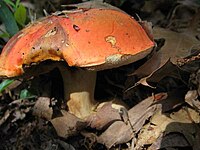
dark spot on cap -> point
(76, 28)
(54, 29)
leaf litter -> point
(167, 118)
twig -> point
(5, 117)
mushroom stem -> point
(79, 88)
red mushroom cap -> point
(94, 38)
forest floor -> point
(161, 90)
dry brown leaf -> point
(170, 140)
(152, 131)
(42, 108)
(177, 45)
(65, 145)
(170, 54)
(90, 139)
(22, 102)
(186, 115)
(125, 132)
(116, 133)
(180, 122)
(67, 125)
(149, 66)
(104, 117)
(190, 3)
(191, 63)
(5, 116)
(20, 114)
(167, 70)
(174, 99)
(188, 130)
(195, 79)
(156, 145)
(192, 99)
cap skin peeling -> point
(94, 38)
(114, 59)
(51, 32)
(111, 40)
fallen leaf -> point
(5, 117)
(68, 124)
(167, 70)
(111, 138)
(103, 117)
(90, 139)
(65, 145)
(177, 45)
(174, 99)
(192, 99)
(21, 102)
(180, 122)
(191, 3)
(42, 108)
(186, 115)
(173, 51)
(125, 132)
(195, 80)
(149, 66)
(150, 132)
(191, 63)
(20, 114)
(170, 140)
(189, 130)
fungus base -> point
(79, 88)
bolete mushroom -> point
(89, 39)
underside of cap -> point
(95, 38)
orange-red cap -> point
(94, 38)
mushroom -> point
(89, 39)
